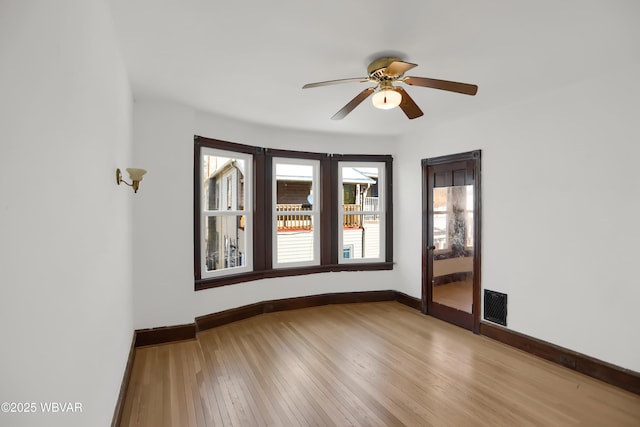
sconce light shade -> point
(136, 176)
(386, 99)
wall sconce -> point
(135, 175)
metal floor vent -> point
(495, 307)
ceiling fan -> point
(384, 72)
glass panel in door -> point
(453, 247)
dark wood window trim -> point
(262, 232)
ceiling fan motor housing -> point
(377, 69)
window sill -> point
(215, 282)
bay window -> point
(262, 212)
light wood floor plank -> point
(370, 364)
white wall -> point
(65, 227)
(561, 203)
(163, 215)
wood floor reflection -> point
(456, 294)
(369, 364)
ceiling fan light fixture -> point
(384, 72)
(386, 99)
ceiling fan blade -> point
(408, 105)
(335, 82)
(398, 68)
(353, 104)
(465, 88)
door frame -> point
(428, 306)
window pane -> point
(225, 242)
(362, 212)
(453, 217)
(440, 199)
(294, 239)
(294, 186)
(290, 220)
(360, 188)
(224, 183)
(440, 233)
(296, 228)
(362, 241)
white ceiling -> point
(249, 59)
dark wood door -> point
(451, 239)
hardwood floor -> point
(455, 294)
(370, 364)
